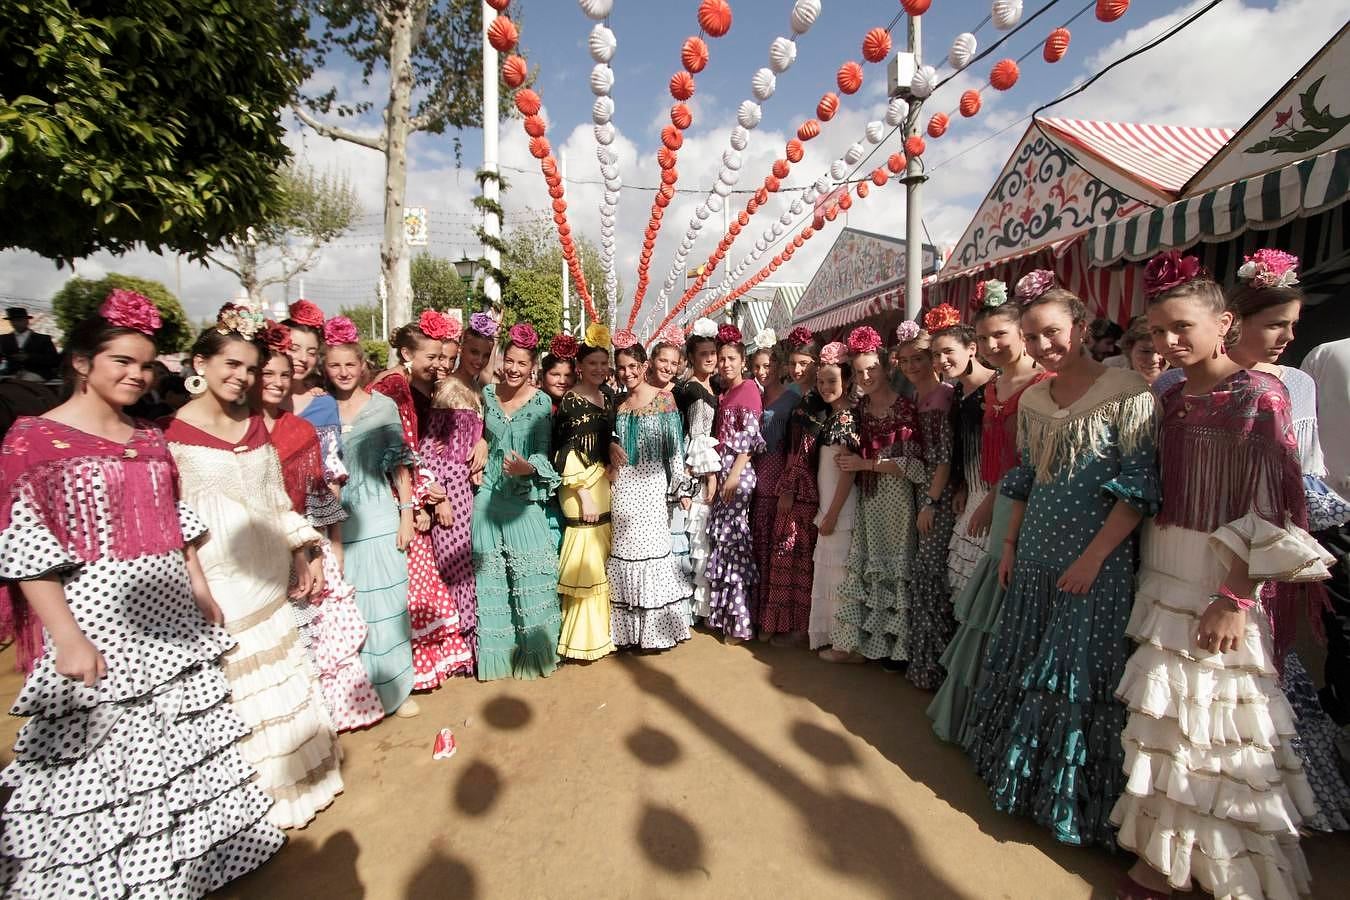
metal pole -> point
(492, 226)
(914, 179)
(566, 275)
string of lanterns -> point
(602, 45)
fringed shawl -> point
(890, 436)
(297, 446)
(653, 433)
(1117, 411)
(998, 437)
(581, 427)
(395, 386)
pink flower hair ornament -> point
(907, 331)
(1269, 268)
(622, 340)
(671, 334)
(454, 328)
(1170, 270)
(834, 353)
(564, 346)
(434, 325)
(128, 309)
(728, 333)
(864, 339)
(303, 312)
(523, 335)
(340, 330)
(1033, 285)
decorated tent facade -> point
(863, 276)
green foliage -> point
(366, 318)
(315, 208)
(533, 292)
(436, 285)
(377, 351)
(80, 298)
(144, 122)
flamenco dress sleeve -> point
(544, 482)
(1136, 482)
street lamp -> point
(466, 268)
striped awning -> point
(1163, 157)
(1262, 202)
(883, 300)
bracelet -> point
(1226, 593)
(411, 504)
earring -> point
(407, 368)
(195, 385)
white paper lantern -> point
(702, 212)
(749, 114)
(796, 206)
(602, 44)
(822, 185)
(896, 112)
(602, 110)
(782, 54)
(924, 82)
(875, 132)
(778, 229)
(760, 244)
(838, 169)
(596, 9)
(732, 160)
(604, 134)
(607, 220)
(809, 195)
(614, 185)
(1005, 14)
(804, 15)
(714, 202)
(763, 83)
(609, 173)
(740, 137)
(721, 188)
(855, 153)
(786, 218)
(602, 79)
(729, 176)
(606, 155)
(963, 50)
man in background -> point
(27, 354)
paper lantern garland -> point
(970, 103)
(915, 7)
(804, 15)
(782, 54)
(602, 44)
(914, 146)
(1110, 10)
(850, 77)
(1004, 74)
(1056, 45)
(682, 86)
(527, 102)
(808, 130)
(595, 9)
(962, 50)
(681, 117)
(937, 125)
(500, 5)
(897, 163)
(515, 71)
(876, 45)
(694, 55)
(1005, 14)
(502, 34)
(827, 107)
(714, 17)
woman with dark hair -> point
(258, 550)
(310, 402)
(129, 624)
(514, 557)
(1138, 352)
(557, 375)
(667, 360)
(1046, 726)
(697, 401)
(835, 487)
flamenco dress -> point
(839, 435)
(931, 621)
(732, 573)
(965, 552)
(135, 787)
(698, 409)
(769, 464)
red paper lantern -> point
(781, 168)
(560, 205)
(502, 34)
(535, 126)
(863, 189)
(514, 71)
(694, 54)
(499, 5)
(798, 241)
(549, 167)
(808, 231)
(772, 184)
(563, 228)
(850, 77)
(1110, 10)
(818, 222)
(539, 147)
(876, 45)
(761, 196)
(808, 129)
(832, 212)
(671, 137)
(1004, 75)
(661, 199)
(879, 177)
(827, 107)
(665, 158)
(556, 191)
(559, 218)
(682, 85)
(937, 126)
(752, 205)
(914, 146)
(777, 260)
(658, 215)
(846, 201)
(714, 17)
(916, 7)
(527, 102)
(681, 117)
(743, 218)
(897, 163)
(1056, 45)
(735, 229)
(794, 150)
(667, 191)
(670, 176)
(970, 103)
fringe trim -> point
(1052, 445)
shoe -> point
(895, 666)
(408, 709)
(842, 656)
(732, 639)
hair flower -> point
(277, 337)
(454, 328)
(303, 312)
(864, 339)
(940, 317)
(907, 331)
(671, 334)
(482, 323)
(991, 293)
(833, 354)
(1269, 268)
(597, 335)
(563, 346)
(1034, 284)
(239, 319)
(1168, 270)
(705, 328)
(433, 325)
(523, 335)
(128, 309)
(340, 330)
(766, 338)
(800, 336)
(624, 339)
(728, 334)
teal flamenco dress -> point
(1045, 726)
(515, 558)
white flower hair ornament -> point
(765, 339)
(705, 327)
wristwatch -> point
(929, 501)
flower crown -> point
(1170, 270)
(705, 328)
(624, 339)
(563, 346)
(1269, 268)
(1034, 284)
(671, 334)
(864, 339)
(907, 331)
(302, 312)
(728, 333)
(277, 337)
(940, 317)
(434, 325)
(340, 330)
(833, 354)
(523, 335)
(128, 309)
(991, 293)
(766, 338)
(239, 319)
(800, 336)
(597, 335)
(482, 324)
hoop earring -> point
(195, 385)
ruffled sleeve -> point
(544, 482)
(741, 433)
(1287, 554)
(323, 508)
(28, 548)
(1018, 481)
(193, 526)
(330, 447)
(1136, 482)
(577, 474)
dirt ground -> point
(707, 771)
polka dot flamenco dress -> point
(135, 786)
(732, 574)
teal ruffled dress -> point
(1045, 726)
(515, 557)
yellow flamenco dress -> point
(582, 432)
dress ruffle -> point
(963, 551)
(873, 613)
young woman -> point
(257, 547)
(698, 407)
(873, 619)
(515, 559)
(583, 427)
(955, 358)
(130, 628)
(931, 624)
(329, 622)
(557, 376)
(1214, 791)
(764, 367)
(308, 399)
(379, 524)
(664, 366)
(977, 606)
(1046, 726)
(835, 487)
(732, 575)
(649, 598)
(454, 452)
(439, 649)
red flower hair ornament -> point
(128, 309)
(339, 330)
(800, 336)
(940, 317)
(728, 334)
(277, 337)
(303, 312)
(864, 339)
(564, 346)
(1169, 270)
(523, 335)
(434, 325)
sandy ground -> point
(708, 771)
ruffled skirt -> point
(965, 552)
(873, 616)
(649, 598)
(380, 575)
(582, 582)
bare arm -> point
(1120, 522)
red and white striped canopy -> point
(1163, 157)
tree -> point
(154, 123)
(314, 210)
(430, 52)
(80, 298)
(533, 289)
(436, 285)
(366, 318)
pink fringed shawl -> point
(890, 436)
(59, 472)
(297, 446)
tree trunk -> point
(396, 122)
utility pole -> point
(492, 225)
(566, 275)
(914, 179)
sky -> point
(1217, 72)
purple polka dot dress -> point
(732, 575)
